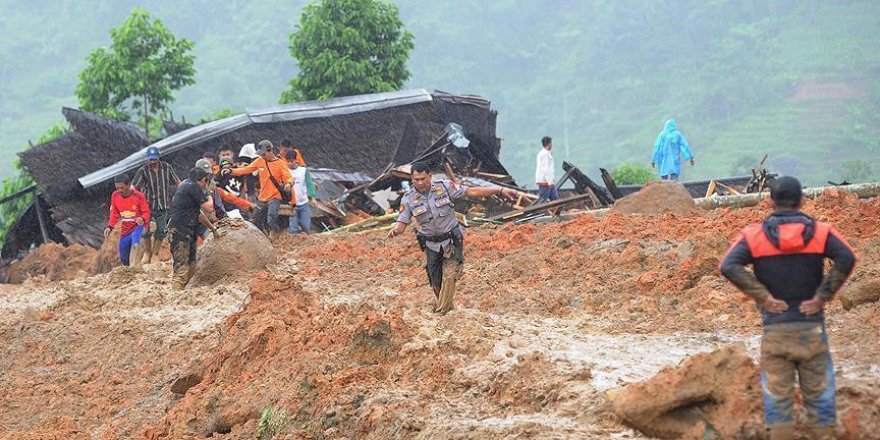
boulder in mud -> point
(659, 197)
(241, 251)
(710, 395)
(862, 292)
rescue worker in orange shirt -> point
(275, 179)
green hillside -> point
(797, 80)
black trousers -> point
(184, 245)
(434, 266)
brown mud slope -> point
(241, 251)
(657, 197)
(55, 262)
(337, 339)
(717, 395)
(710, 395)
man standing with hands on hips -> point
(440, 236)
(787, 252)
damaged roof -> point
(359, 134)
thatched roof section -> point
(92, 143)
(25, 232)
(174, 127)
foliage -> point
(632, 174)
(856, 171)
(138, 73)
(608, 72)
(348, 47)
(10, 211)
(272, 421)
(220, 114)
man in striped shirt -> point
(157, 180)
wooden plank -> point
(554, 204)
(729, 189)
(582, 182)
(610, 184)
(711, 189)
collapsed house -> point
(347, 141)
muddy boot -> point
(451, 272)
(819, 432)
(157, 247)
(783, 433)
(190, 272)
(137, 255)
(179, 278)
(148, 250)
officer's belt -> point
(442, 237)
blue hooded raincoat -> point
(669, 148)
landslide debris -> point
(657, 197)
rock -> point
(709, 395)
(241, 251)
(184, 383)
(862, 292)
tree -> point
(11, 210)
(631, 174)
(138, 73)
(348, 47)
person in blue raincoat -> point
(668, 149)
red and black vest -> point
(789, 255)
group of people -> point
(253, 185)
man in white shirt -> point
(304, 190)
(544, 172)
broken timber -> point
(585, 185)
(554, 204)
(610, 184)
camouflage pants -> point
(797, 349)
(444, 268)
(183, 252)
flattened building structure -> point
(363, 134)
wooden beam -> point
(554, 204)
(582, 182)
(43, 231)
(610, 184)
(711, 189)
(18, 194)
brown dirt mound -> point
(709, 395)
(55, 262)
(659, 197)
(242, 250)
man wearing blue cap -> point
(157, 180)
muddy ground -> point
(337, 340)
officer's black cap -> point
(786, 191)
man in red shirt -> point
(130, 207)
